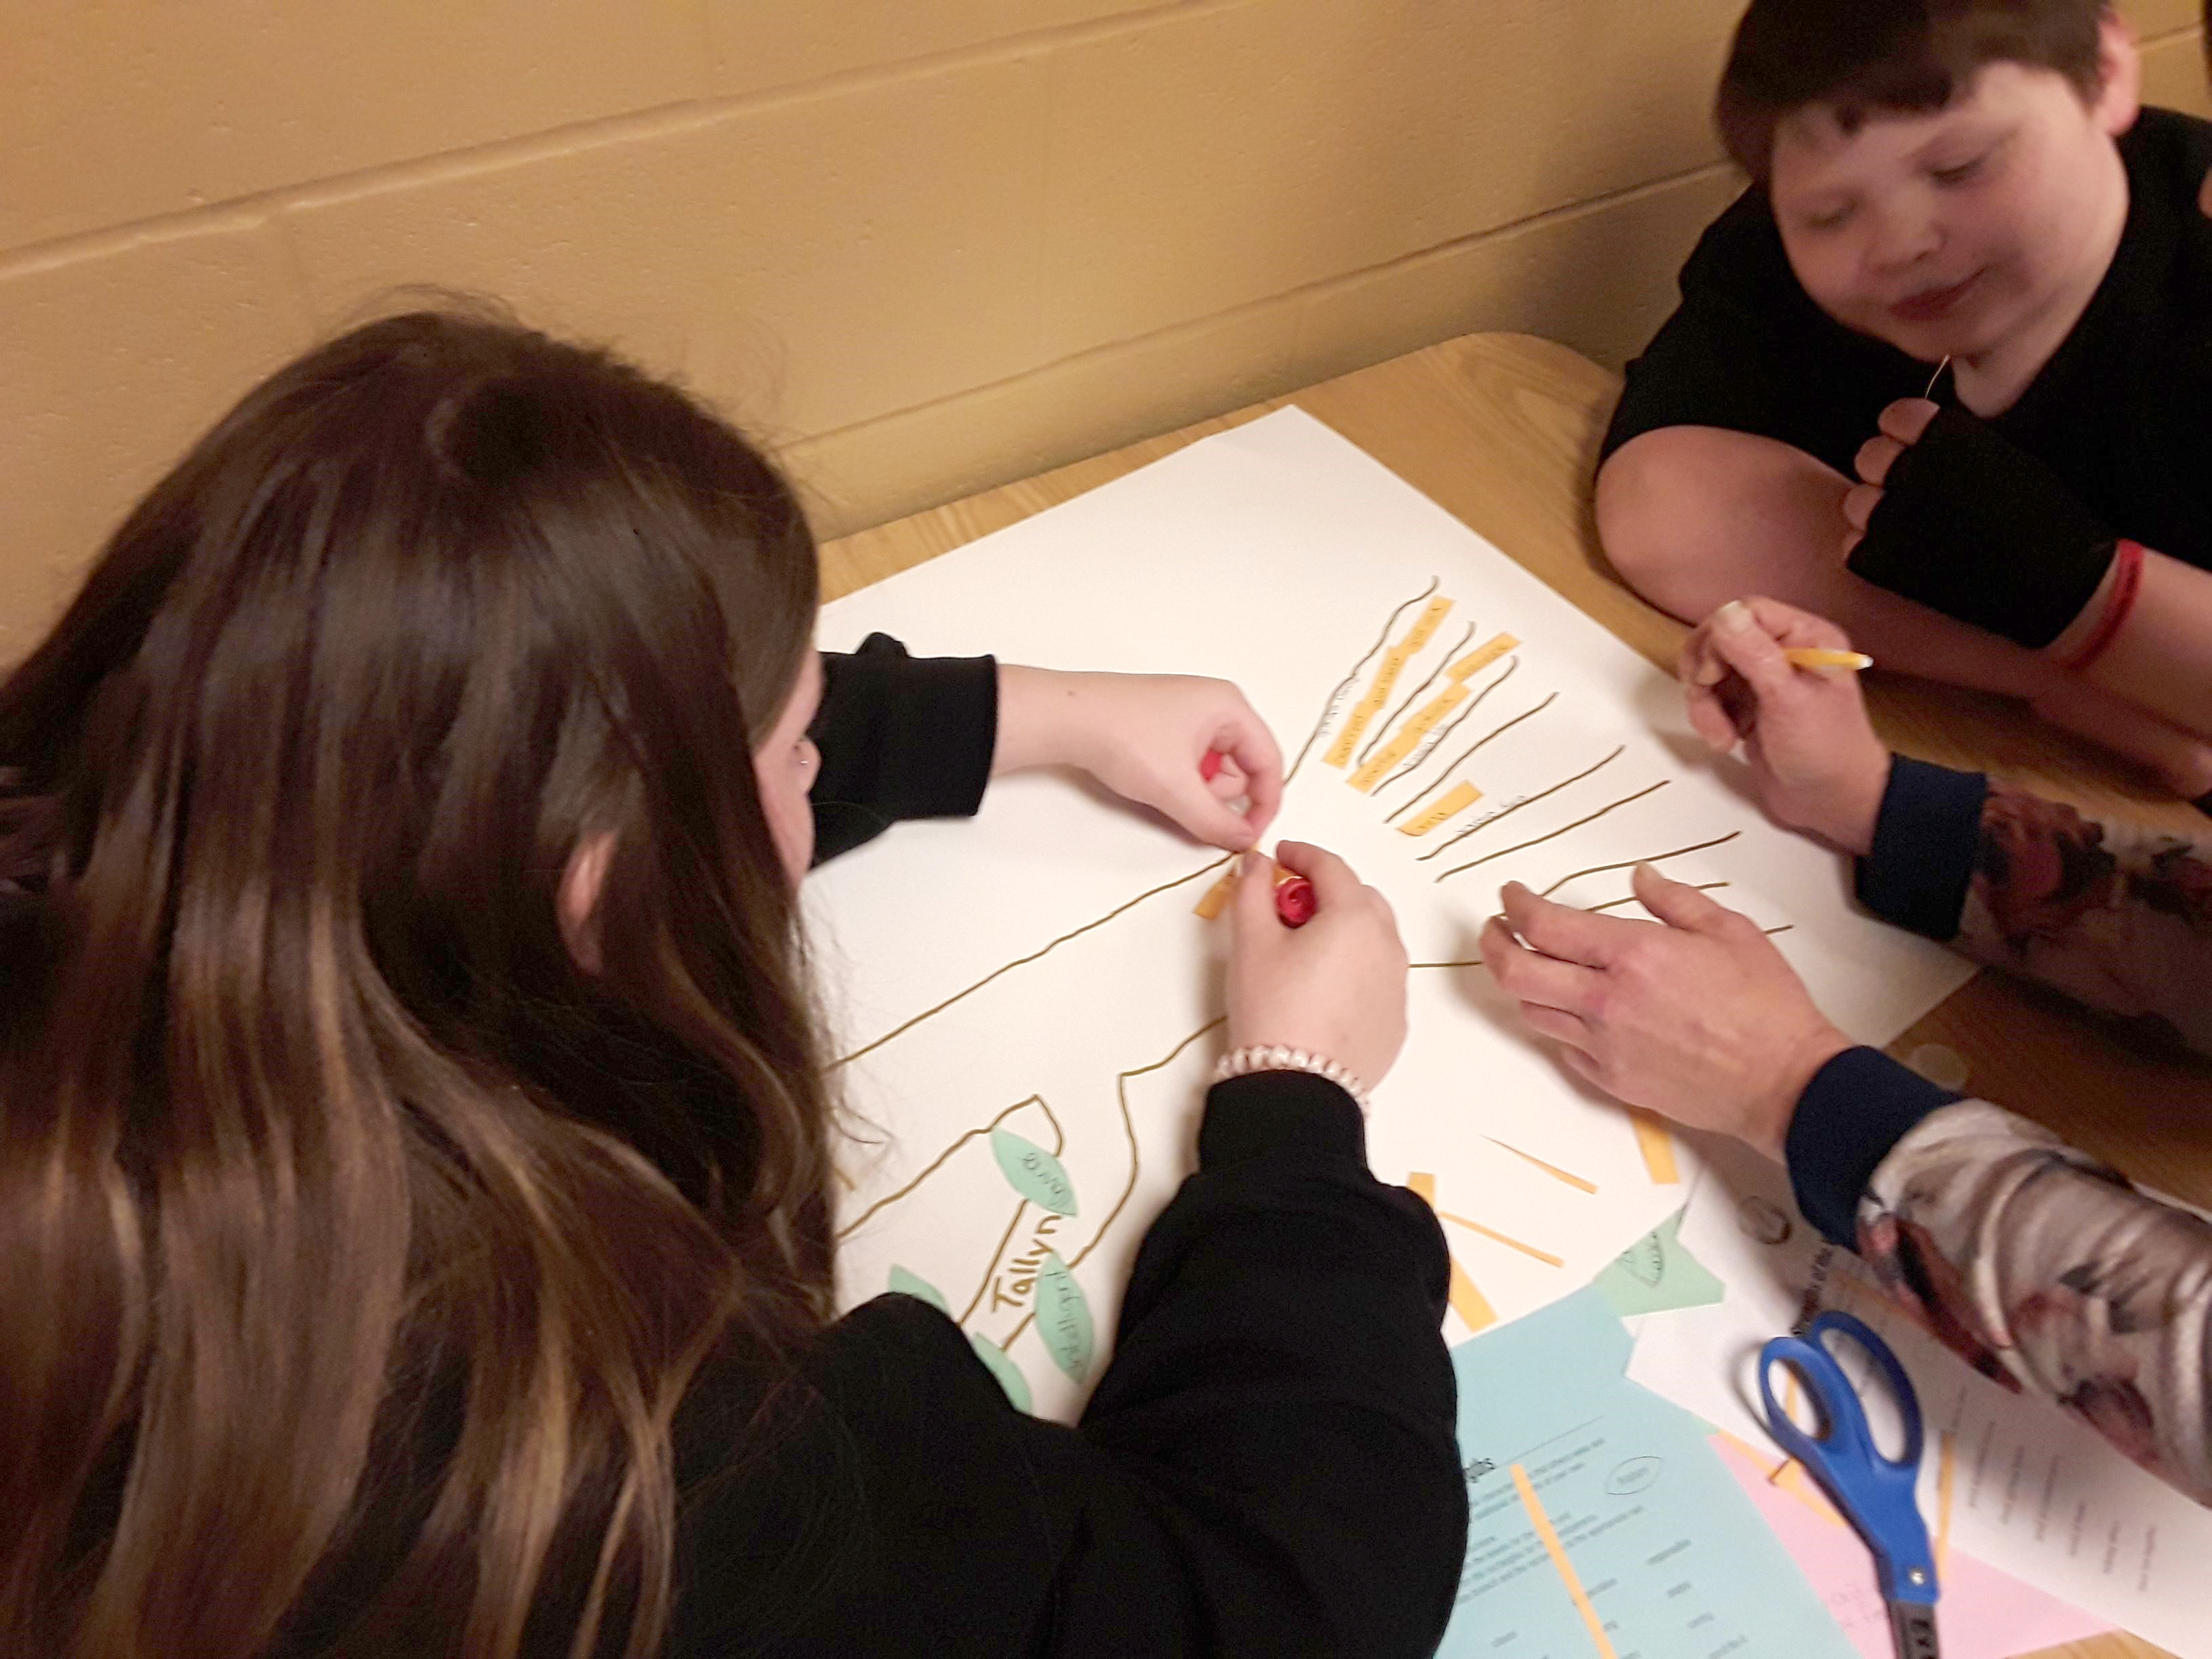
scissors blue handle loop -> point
(1874, 1491)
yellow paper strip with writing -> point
(1481, 657)
(1386, 678)
(1386, 759)
(1458, 801)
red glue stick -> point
(1294, 898)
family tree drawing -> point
(1093, 1118)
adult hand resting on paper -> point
(1696, 1017)
(1145, 737)
(1335, 987)
(1814, 759)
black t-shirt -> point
(2122, 412)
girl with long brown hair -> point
(415, 1161)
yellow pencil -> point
(1802, 657)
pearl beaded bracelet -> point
(1275, 1057)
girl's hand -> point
(1902, 425)
(1147, 738)
(1698, 1018)
(1336, 987)
(1814, 756)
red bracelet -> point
(2127, 581)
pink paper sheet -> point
(1984, 1613)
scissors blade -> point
(1912, 1627)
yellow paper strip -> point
(1385, 760)
(1506, 1239)
(1552, 1169)
(1789, 1477)
(1458, 801)
(1481, 657)
(1469, 1303)
(1217, 898)
(1946, 1470)
(1553, 1548)
(1386, 679)
(1658, 1149)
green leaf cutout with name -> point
(1033, 1172)
(1008, 1373)
(907, 1284)
(1656, 1274)
(1063, 1318)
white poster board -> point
(1026, 1005)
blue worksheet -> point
(1602, 1525)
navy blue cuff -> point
(1857, 1108)
(1925, 842)
(1270, 1112)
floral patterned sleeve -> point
(2048, 1271)
(2116, 915)
(2040, 1266)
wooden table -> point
(1502, 430)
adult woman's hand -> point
(1336, 987)
(1146, 736)
(1814, 756)
(1696, 1017)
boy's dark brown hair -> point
(1864, 56)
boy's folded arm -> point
(1694, 516)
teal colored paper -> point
(1675, 1559)
(1655, 1274)
(1063, 1318)
(1033, 1172)
(908, 1284)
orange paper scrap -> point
(1658, 1148)
(1469, 1302)
(1557, 1550)
(1451, 805)
(1217, 897)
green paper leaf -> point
(1656, 1274)
(1063, 1318)
(1033, 1172)
(1008, 1373)
(907, 1284)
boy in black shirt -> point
(1961, 181)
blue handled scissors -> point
(1875, 1493)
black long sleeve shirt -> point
(1268, 1465)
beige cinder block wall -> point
(923, 245)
